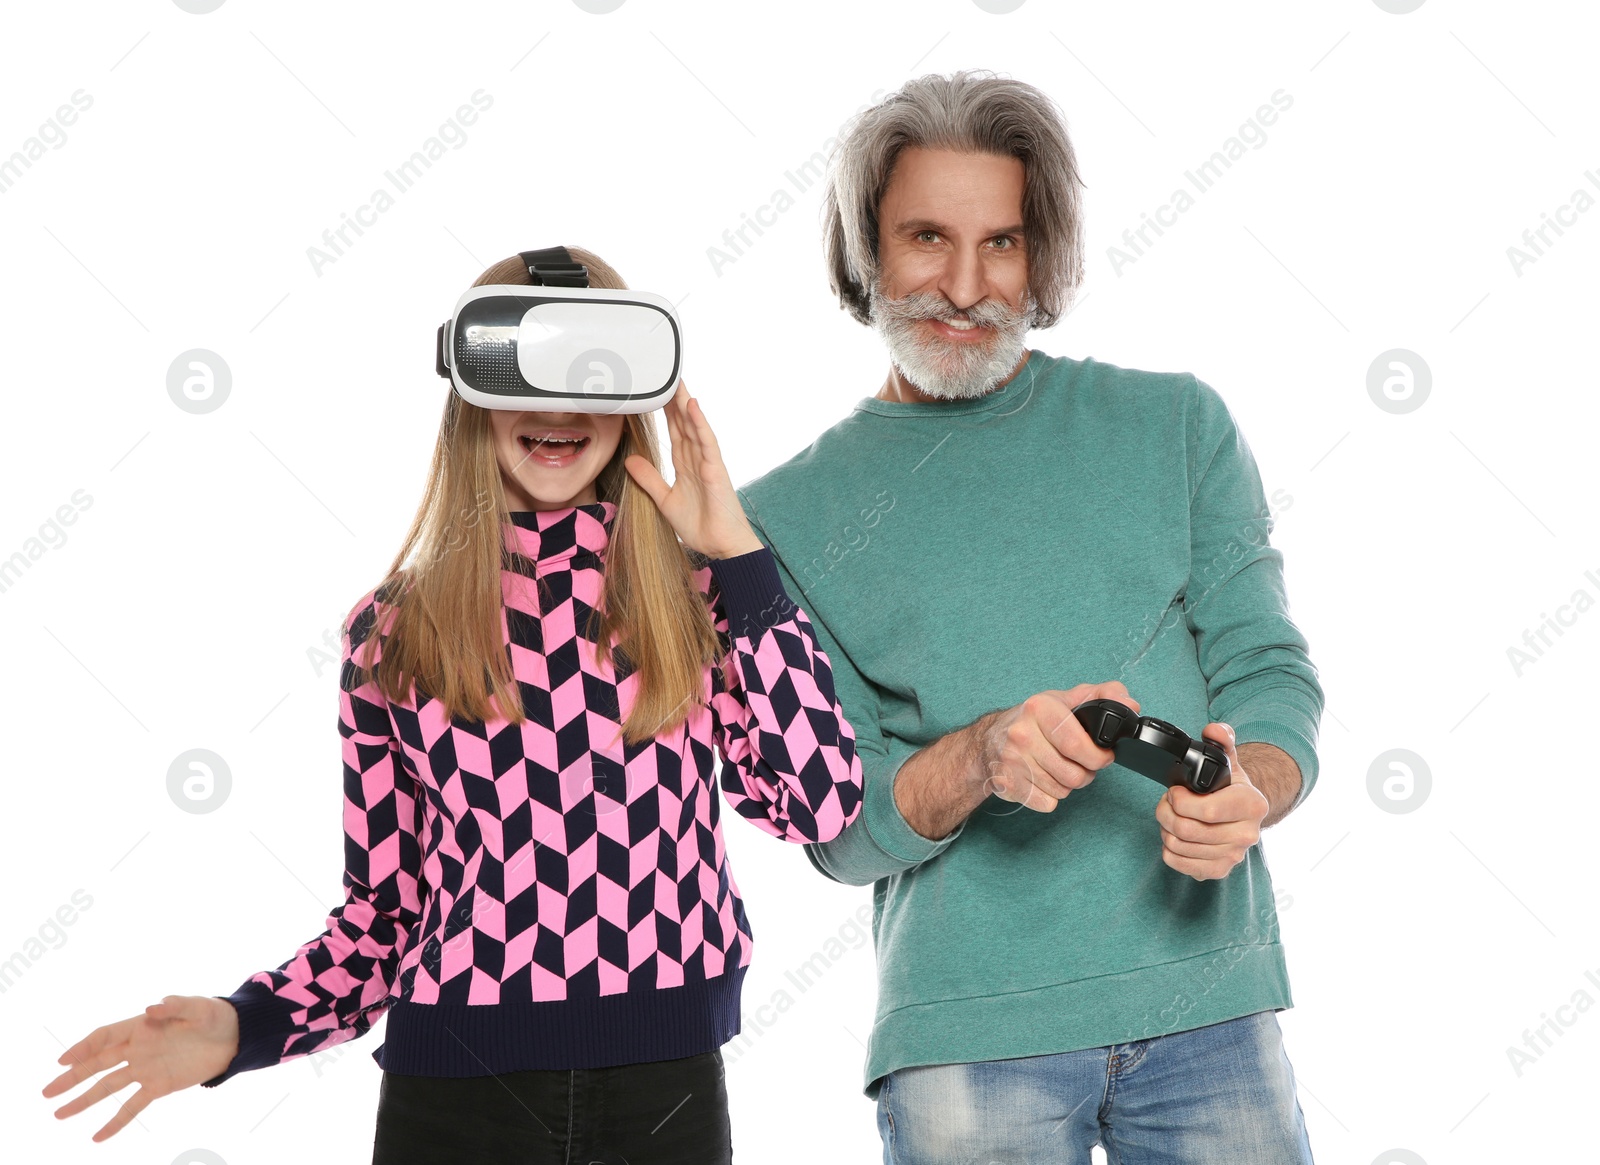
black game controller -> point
(1154, 747)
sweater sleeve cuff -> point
(1296, 744)
(753, 596)
(264, 1022)
(883, 819)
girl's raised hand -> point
(182, 1041)
(700, 503)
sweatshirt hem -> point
(1088, 1013)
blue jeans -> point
(1224, 1092)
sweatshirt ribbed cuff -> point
(264, 1022)
(753, 596)
(1291, 741)
(881, 814)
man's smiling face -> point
(952, 300)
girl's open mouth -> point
(554, 452)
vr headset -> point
(561, 345)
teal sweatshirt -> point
(1084, 523)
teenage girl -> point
(536, 888)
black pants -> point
(662, 1113)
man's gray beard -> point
(949, 369)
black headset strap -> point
(553, 267)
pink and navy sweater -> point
(542, 895)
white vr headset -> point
(561, 345)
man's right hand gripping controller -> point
(1037, 752)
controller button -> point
(1105, 726)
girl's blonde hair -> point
(446, 604)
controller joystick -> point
(1158, 750)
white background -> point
(181, 609)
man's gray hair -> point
(975, 112)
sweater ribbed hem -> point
(452, 1039)
(455, 1039)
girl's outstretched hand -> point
(700, 503)
(182, 1041)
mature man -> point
(1068, 953)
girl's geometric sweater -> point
(540, 895)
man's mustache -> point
(925, 305)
